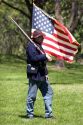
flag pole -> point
(31, 16)
(26, 34)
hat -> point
(37, 33)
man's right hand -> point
(48, 57)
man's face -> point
(39, 39)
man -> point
(37, 77)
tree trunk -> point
(73, 21)
(58, 11)
(59, 62)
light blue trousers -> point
(47, 94)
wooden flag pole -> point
(26, 35)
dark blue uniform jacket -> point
(36, 59)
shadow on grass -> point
(52, 83)
(35, 116)
(59, 83)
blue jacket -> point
(36, 59)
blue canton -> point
(41, 22)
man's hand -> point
(48, 57)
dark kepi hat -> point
(37, 33)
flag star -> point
(35, 14)
(51, 32)
(44, 26)
(35, 10)
(41, 28)
(44, 22)
(35, 19)
(41, 24)
(40, 16)
(40, 12)
(36, 27)
(37, 22)
(47, 25)
(34, 24)
(46, 30)
(43, 16)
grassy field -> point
(67, 100)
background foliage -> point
(11, 39)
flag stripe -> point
(61, 37)
(59, 47)
(59, 34)
(62, 51)
(61, 28)
(56, 52)
(59, 56)
(49, 39)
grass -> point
(67, 100)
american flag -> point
(58, 41)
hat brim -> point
(38, 35)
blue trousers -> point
(47, 94)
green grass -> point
(67, 100)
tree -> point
(67, 12)
(74, 12)
(11, 42)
